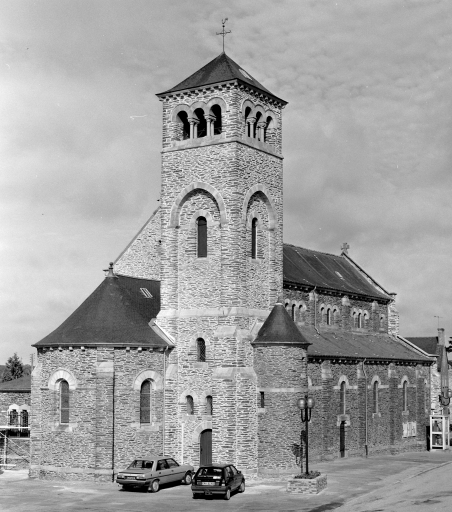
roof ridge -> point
(313, 250)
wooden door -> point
(205, 447)
(342, 438)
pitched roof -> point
(327, 271)
(220, 69)
(116, 313)
(426, 343)
(353, 345)
(16, 385)
(279, 328)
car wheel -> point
(187, 478)
(125, 488)
(195, 496)
(154, 486)
(242, 486)
(227, 496)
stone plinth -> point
(306, 485)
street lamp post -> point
(305, 405)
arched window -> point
(382, 321)
(301, 313)
(64, 402)
(145, 401)
(247, 124)
(201, 350)
(256, 130)
(254, 238)
(217, 124)
(202, 237)
(323, 314)
(375, 396)
(343, 397)
(360, 320)
(209, 405)
(366, 320)
(190, 405)
(268, 126)
(24, 418)
(184, 125)
(201, 127)
(292, 314)
(336, 316)
(14, 418)
(328, 317)
(405, 395)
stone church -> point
(208, 328)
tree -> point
(13, 368)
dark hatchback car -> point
(152, 471)
(217, 479)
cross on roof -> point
(345, 247)
(223, 32)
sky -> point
(366, 138)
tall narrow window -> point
(405, 396)
(24, 418)
(360, 320)
(209, 405)
(14, 417)
(202, 237)
(328, 317)
(64, 402)
(262, 399)
(217, 128)
(293, 312)
(201, 349)
(201, 127)
(343, 397)
(190, 405)
(184, 125)
(375, 397)
(254, 238)
(145, 402)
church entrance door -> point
(205, 447)
(342, 438)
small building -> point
(15, 401)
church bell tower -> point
(221, 268)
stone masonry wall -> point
(141, 258)
(104, 432)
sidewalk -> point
(349, 481)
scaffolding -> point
(9, 448)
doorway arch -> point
(205, 447)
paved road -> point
(405, 482)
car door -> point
(163, 471)
(237, 479)
(176, 472)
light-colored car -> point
(152, 471)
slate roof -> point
(279, 328)
(353, 345)
(116, 313)
(426, 343)
(17, 385)
(220, 69)
(326, 271)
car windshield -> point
(141, 464)
(211, 472)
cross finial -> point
(345, 247)
(223, 32)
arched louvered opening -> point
(217, 123)
(248, 132)
(185, 125)
(201, 126)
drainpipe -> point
(365, 412)
(164, 396)
(113, 430)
